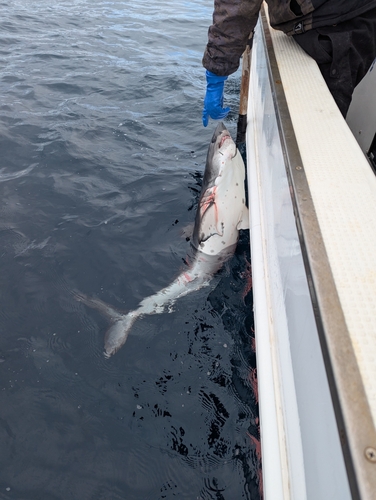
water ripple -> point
(102, 158)
(16, 175)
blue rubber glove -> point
(213, 102)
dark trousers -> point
(344, 53)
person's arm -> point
(233, 21)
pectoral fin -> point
(244, 220)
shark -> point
(221, 213)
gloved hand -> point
(213, 102)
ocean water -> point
(102, 155)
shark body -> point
(221, 213)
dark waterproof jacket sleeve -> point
(234, 20)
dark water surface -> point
(102, 154)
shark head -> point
(221, 150)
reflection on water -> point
(102, 152)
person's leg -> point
(344, 53)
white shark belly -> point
(230, 212)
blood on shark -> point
(221, 213)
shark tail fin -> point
(118, 332)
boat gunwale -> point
(353, 414)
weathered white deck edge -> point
(343, 188)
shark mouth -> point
(224, 138)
